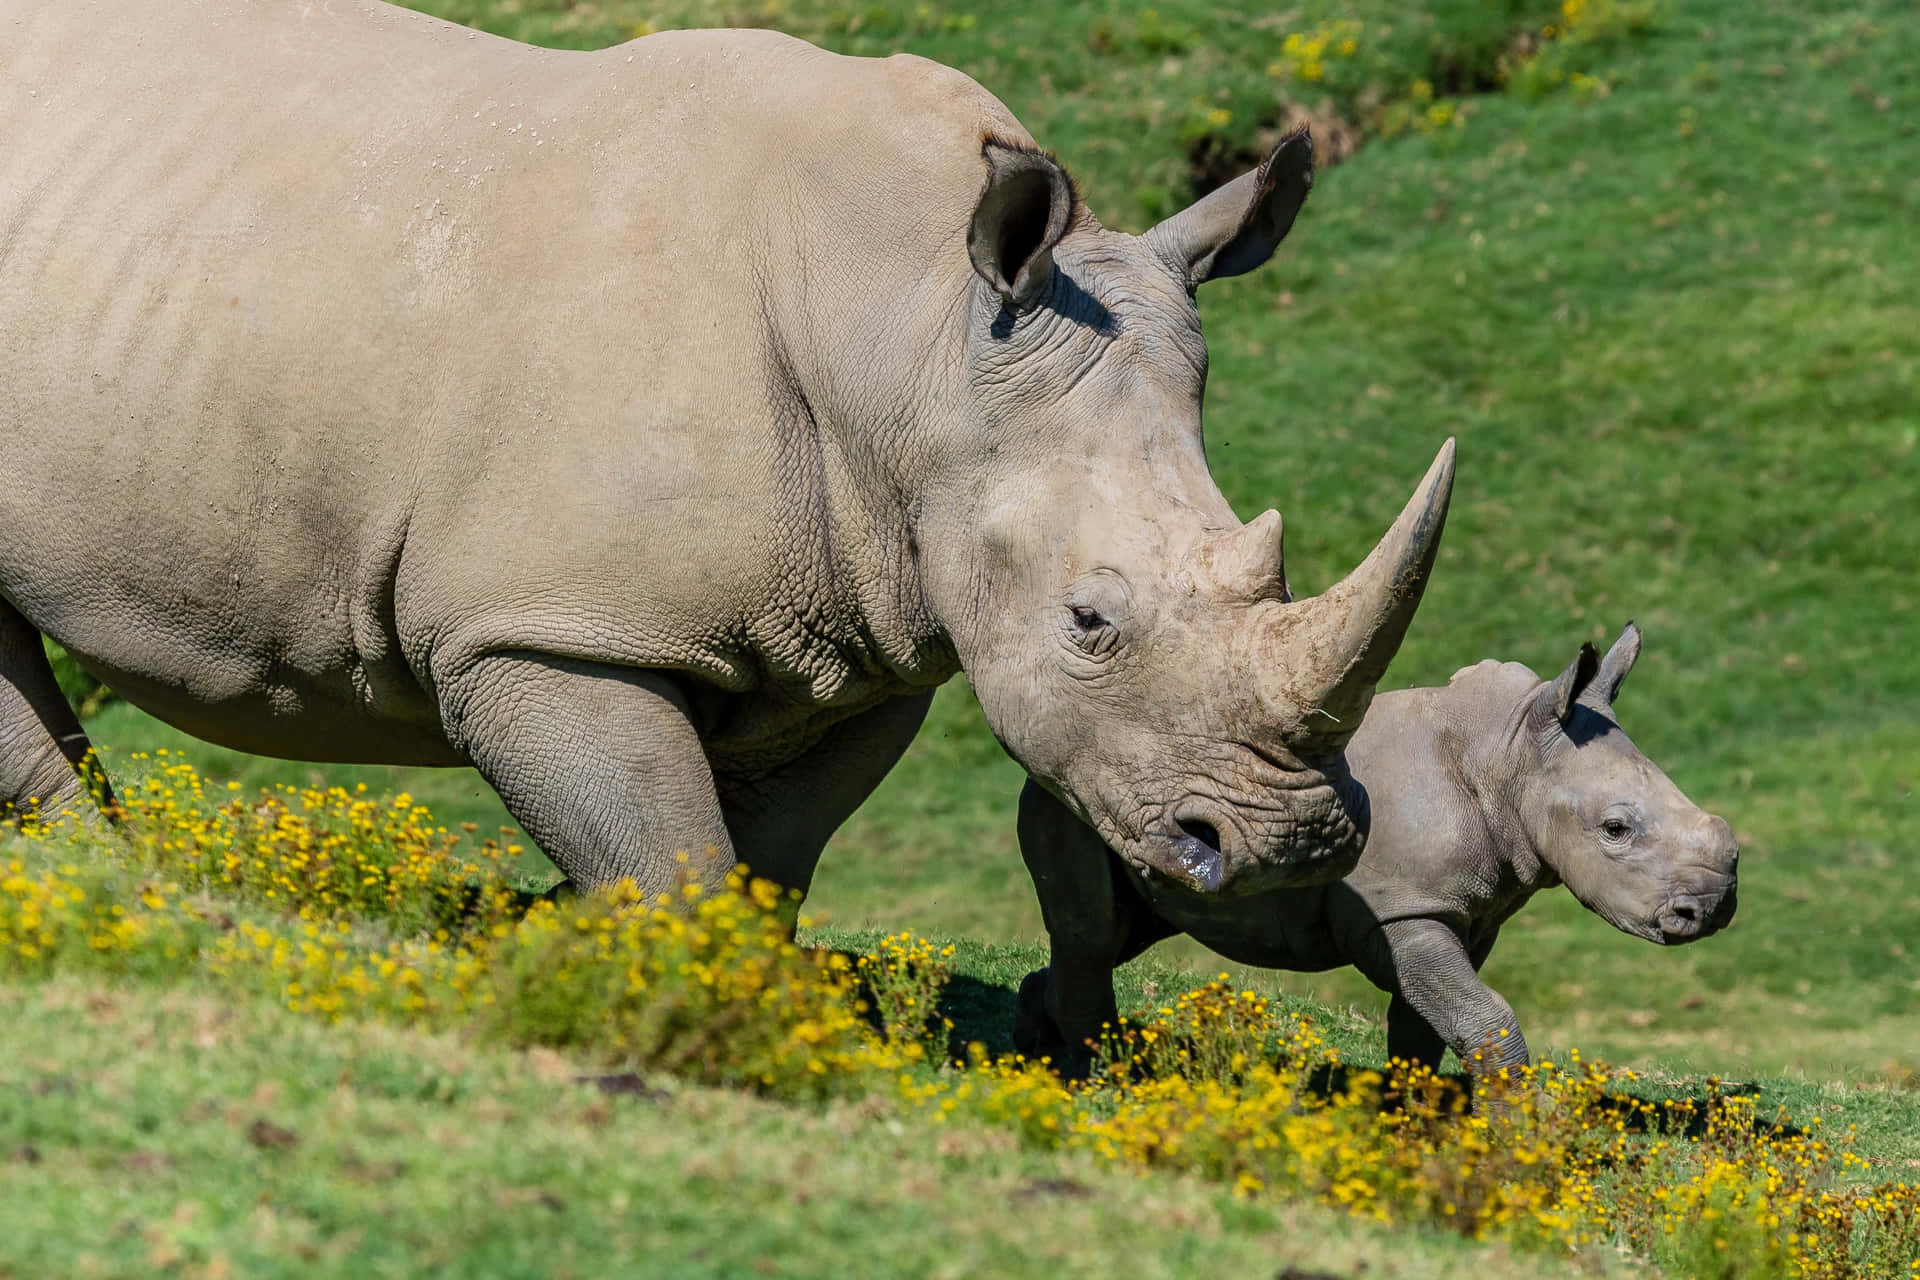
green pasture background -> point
(1672, 312)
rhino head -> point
(1126, 600)
(1606, 820)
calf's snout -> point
(1696, 914)
(1714, 846)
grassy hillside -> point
(187, 1134)
(1668, 309)
(306, 1035)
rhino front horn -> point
(1335, 647)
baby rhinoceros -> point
(1482, 793)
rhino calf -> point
(1482, 794)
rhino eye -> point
(1614, 829)
(1095, 608)
(1090, 631)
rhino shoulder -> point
(1491, 673)
(946, 93)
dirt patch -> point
(267, 1135)
(1212, 162)
(1070, 1188)
(625, 1084)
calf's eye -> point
(1087, 619)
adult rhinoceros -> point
(652, 429)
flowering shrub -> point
(1305, 56)
(365, 910)
(1548, 1157)
(711, 987)
(322, 854)
(1567, 53)
(903, 977)
(55, 918)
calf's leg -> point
(1435, 977)
(1412, 1039)
(44, 762)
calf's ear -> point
(1235, 229)
(1024, 209)
(1614, 668)
(1565, 691)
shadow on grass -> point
(1686, 1116)
(981, 1012)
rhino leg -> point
(599, 763)
(44, 761)
(1436, 978)
(1411, 1038)
(781, 822)
(1095, 923)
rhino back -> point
(340, 340)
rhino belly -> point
(1286, 929)
(231, 651)
(291, 715)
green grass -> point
(175, 1132)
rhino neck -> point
(849, 426)
(1498, 755)
(868, 392)
(847, 584)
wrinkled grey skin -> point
(652, 429)
(1483, 793)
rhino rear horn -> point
(1235, 229)
(1024, 209)
(1250, 563)
(1340, 642)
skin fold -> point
(653, 429)
(1482, 794)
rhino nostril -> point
(1200, 829)
(1684, 909)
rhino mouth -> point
(1197, 854)
(1689, 917)
(1208, 847)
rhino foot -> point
(1036, 1035)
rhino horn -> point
(1330, 651)
(1250, 563)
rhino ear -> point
(1024, 209)
(1614, 668)
(1565, 691)
(1238, 227)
